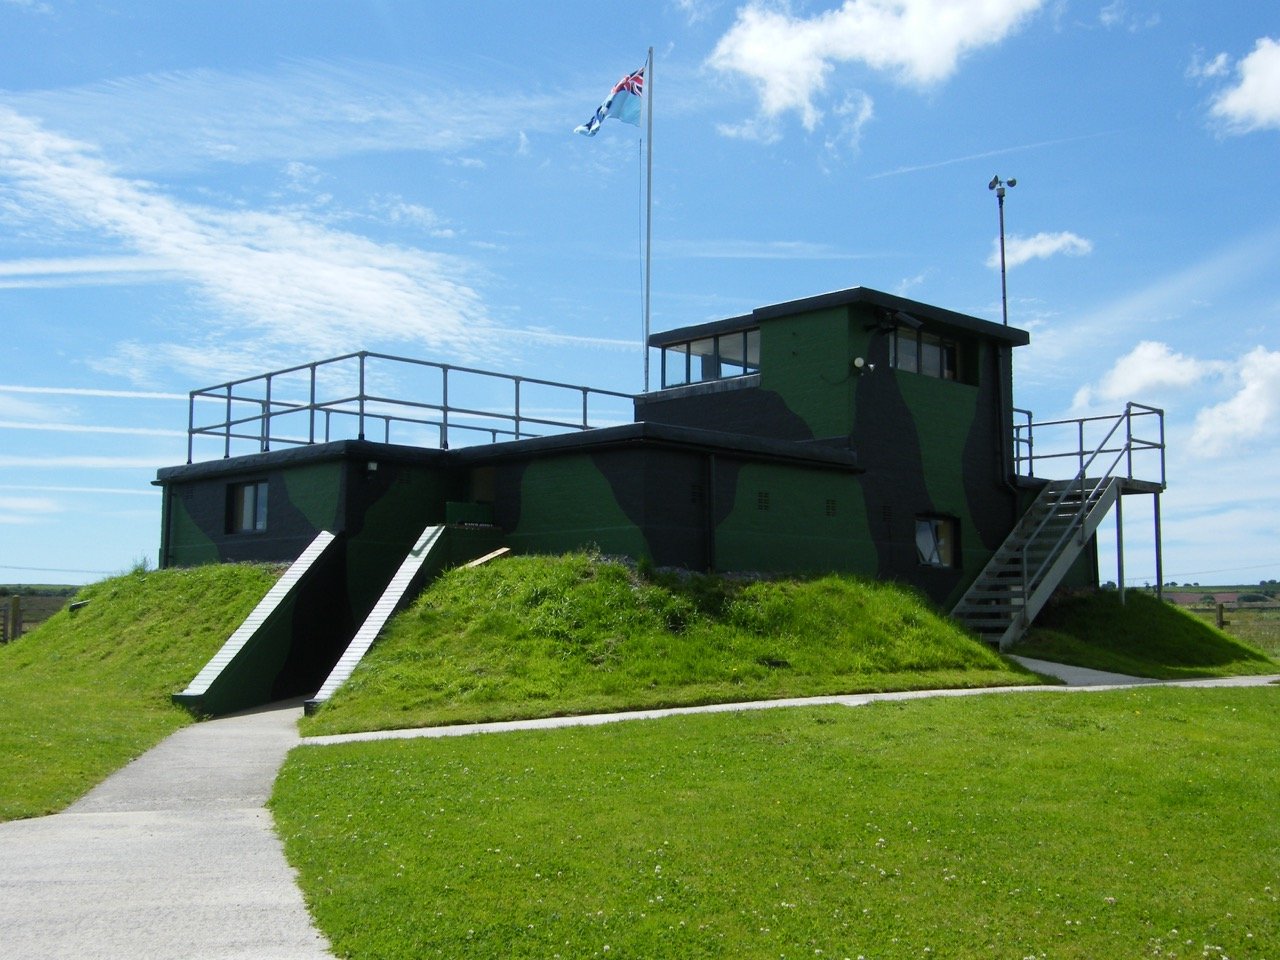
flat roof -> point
(931, 315)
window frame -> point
(247, 506)
(944, 547)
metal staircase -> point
(1023, 573)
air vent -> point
(762, 500)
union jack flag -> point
(623, 103)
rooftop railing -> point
(1065, 448)
(378, 396)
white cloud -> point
(1254, 102)
(1019, 250)
(80, 462)
(1149, 367)
(1117, 14)
(279, 278)
(855, 112)
(35, 6)
(20, 510)
(1200, 69)
(45, 427)
(919, 42)
(1247, 418)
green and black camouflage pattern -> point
(808, 466)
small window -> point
(919, 352)
(247, 507)
(936, 541)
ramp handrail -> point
(253, 412)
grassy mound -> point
(540, 636)
(1143, 637)
(89, 689)
(1136, 823)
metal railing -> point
(1094, 472)
(1077, 442)
(345, 397)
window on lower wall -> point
(936, 541)
(247, 507)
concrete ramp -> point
(254, 665)
(430, 554)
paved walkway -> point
(172, 857)
(1075, 679)
(176, 857)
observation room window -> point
(918, 352)
(247, 507)
(936, 541)
(718, 357)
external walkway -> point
(175, 855)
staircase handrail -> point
(1090, 497)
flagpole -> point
(648, 217)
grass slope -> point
(1143, 637)
(539, 636)
(1067, 825)
(89, 690)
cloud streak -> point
(1041, 246)
(299, 111)
(279, 277)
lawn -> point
(1137, 823)
(539, 636)
(88, 690)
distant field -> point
(1256, 626)
(37, 607)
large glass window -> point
(711, 358)
(247, 507)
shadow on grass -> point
(1143, 637)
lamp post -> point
(998, 186)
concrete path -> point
(173, 856)
(1075, 679)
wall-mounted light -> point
(861, 366)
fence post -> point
(517, 382)
(15, 617)
(444, 408)
(360, 431)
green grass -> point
(540, 636)
(1138, 823)
(1143, 637)
(89, 690)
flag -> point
(623, 103)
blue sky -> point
(195, 191)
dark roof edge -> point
(841, 298)
(712, 441)
(303, 454)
